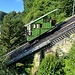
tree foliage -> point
(4, 70)
(51, 66)
(39, 8)
(28, 5)
(2, 14)
(12, 30)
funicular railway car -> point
(39, 27)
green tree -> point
(67, 7)
(12, 31)
(51, 66)
(42, 7)
(4, 70)
(28, 5)
(69, 68)
(38, 8)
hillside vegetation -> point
(37, 8)
(13, 35)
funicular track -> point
(45, 40)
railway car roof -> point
(40, 17)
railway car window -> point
(38, 25)
(45, 19)
(34, 26)
(29, 30)
(30, 33)
(53, 22)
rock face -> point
(61, 47)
